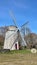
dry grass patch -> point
(18, 59)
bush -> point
(23, 47)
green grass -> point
(16, 51)
(20, 51)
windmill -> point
(13, 36)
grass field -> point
(20, 57)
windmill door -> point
(16, 46)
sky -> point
(23, 10)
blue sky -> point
(24, 10)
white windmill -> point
(13, 35)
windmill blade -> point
(23, 26)
(28, 31)
(23, 42)
(13, 18)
